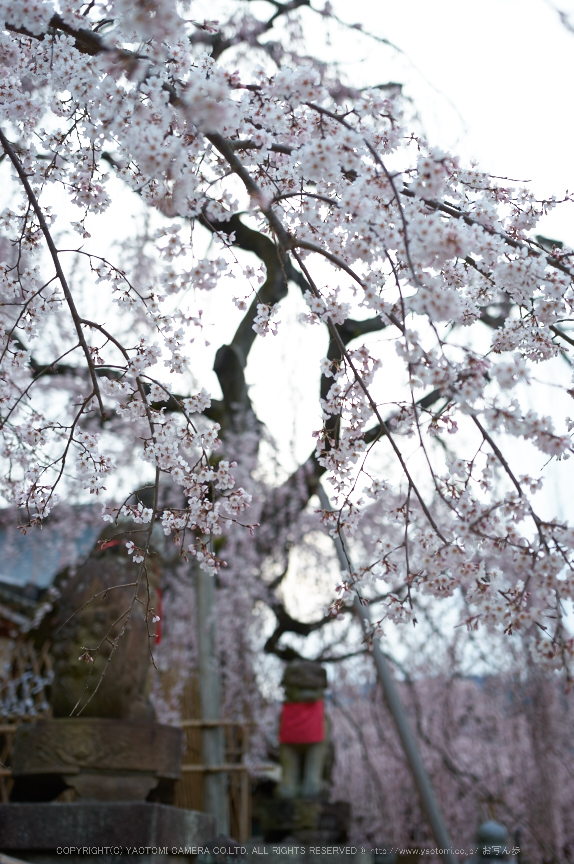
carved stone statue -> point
(114, 750)
(303, 731)
(92, 610)
(300, 808)
(105, 778)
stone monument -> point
(303, 731)
(301, 808)
(69, 766)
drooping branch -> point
(219, 43)
(456, 213)
(287, 502)
(58, 267)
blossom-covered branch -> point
(284, 161)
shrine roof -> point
(30, 560)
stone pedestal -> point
(98, 831)
(308, 822)
(99, 759)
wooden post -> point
(244, 793)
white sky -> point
(506, 66)
(491, 82)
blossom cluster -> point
(430, 249)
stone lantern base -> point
(96, 759)
(79, 793)
(103, 832)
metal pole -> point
(393, 700)
(212, 737)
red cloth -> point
(302, 722)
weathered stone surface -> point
(98, 594)
(101, 759)
(70, 745)
(49, 826)
(307, 822)
(96, 786)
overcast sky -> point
(505, 66)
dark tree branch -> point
(230, 361)
(562, 334)
(287, 624)
(349, 330)
(456, 213)
(290, 499)
(174, 404)
(87, 41)
(278, 268)
(219, 44)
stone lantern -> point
(109, 772)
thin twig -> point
(54, 253)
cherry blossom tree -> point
(233, 129)
(244, 156)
